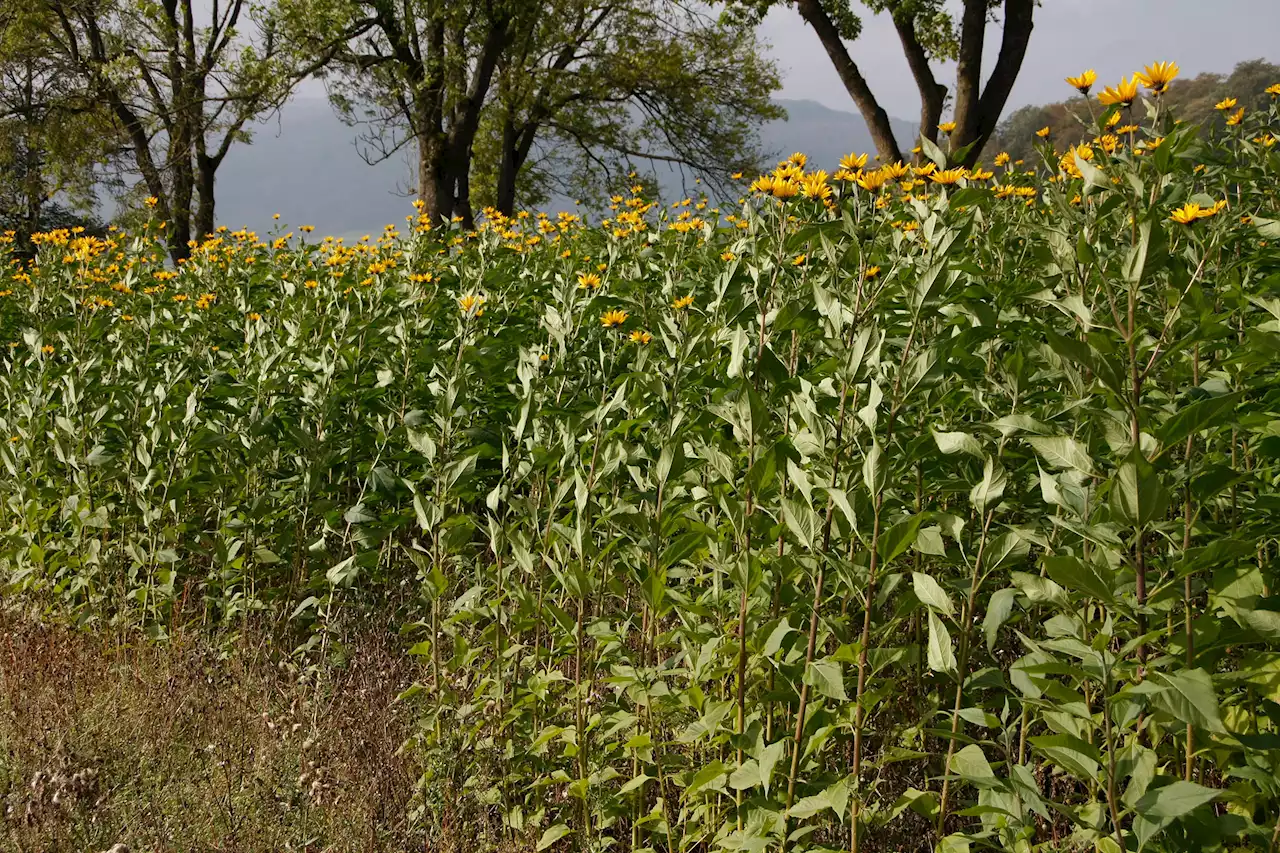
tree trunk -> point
(508, 170)
(876, 118)
(206, 167)
(1016, 36)
(973, 26)
(933, 95)
(435, 189)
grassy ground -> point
(185, 748)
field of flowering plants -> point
(905, 508)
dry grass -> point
(184, 747)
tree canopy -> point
(181, 80)
(506, 101)
(54, 138)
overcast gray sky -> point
(1114, 37)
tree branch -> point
(876, 118)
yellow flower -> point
(1187, 214)
(1273, 90)
(1067, 163)
(47, 349)
(544, 357)
(152, 201)
(1225, 104)
(926, 170)
(682, 303)
(471, 304)
(853, 162)
(815, 185)
(873, 180)
(893, 171)
(1218, 207)
(727, 256)
(737, 176)
(1235, 118)
(1125, 93)
(1084, 82)
(1113, 120)
(613, 318)
(798, 159)
(799, 259)
(1157, 76)
(588, 280)
(949, 176)
(784, 189)
(871, 272)
(254, 316)
(1043, 132)
(639, 337)
(1002, 159)
(947, 127)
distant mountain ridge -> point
(305, 165)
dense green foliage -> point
(873, 516)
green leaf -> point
(897, 539)
(552, 835)
(957, 442)
(835, 797)
(987, 493)
(745, 777)
(1174, 800)
(970, 763)
(1198, 416)
(1062, 451)
(931, 594)
(873, 473)
(711, 776)
(1189, 698)
(826, 676)
(776, 636)
(1077, 576)
(933, 152)
(940, 655)
(684, 546)
(802, 521)
(929, 541)
(1093, 176)
(998, 610)
(1137, 495)
(768, 760)
(1078, 757)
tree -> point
(928, 33)
(54, 137)
(182, 79)
(582, 100)
(526, 81)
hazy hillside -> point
(306, 166)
